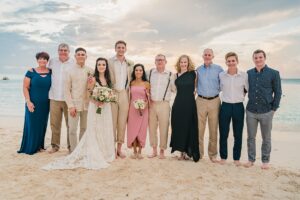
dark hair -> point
(144, 78)
(259, 51)
(42, 55)
(80, 49)
(120, 42)
(106, 73)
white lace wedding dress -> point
(96, 147)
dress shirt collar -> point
(116, 59)
(238, 73)
(262, 69)
(164, 72)
(77, 65)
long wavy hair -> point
(106, 73)
(191, 65)
(144, 78)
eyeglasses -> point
(63, 50)
(159, 60)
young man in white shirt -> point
(233, 85)
(120, 71)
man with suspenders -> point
(159, 113)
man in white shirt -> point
(58, 106)
(233, 85)
(120, 72)
(161, 81)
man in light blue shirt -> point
(208, 103)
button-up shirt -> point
(76, 94)
(208, 80)
(120, 69)
(264, 90)
(159, 83)
(59, 70)
(233, 86)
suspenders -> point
(170, 73)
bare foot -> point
(134, 156)
(222, 161)
(248, 164)
(162, 154)
(237, 163)
(153, 155)
(139, 156)
(120, 154)
(53, 150)
(41, 150)
(214, 160)
(181, 157)
(265, 166)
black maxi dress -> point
(184, 120)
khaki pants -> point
(159, 115)
(208, 109)
(57, 108)
(120, 114)
(73, 123)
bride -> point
(96, 148)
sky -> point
(170, 27)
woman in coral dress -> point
(138, 111)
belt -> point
(208, 98)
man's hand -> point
(72, 111)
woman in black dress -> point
(184, 120)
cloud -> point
(153, 26)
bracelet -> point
(27, 100)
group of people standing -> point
(70, 83)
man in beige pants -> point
(159, 113)
(77, 96)
(208, 103)
(120, 71)
(59, 66)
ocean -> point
(286, 119)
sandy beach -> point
(21, 176)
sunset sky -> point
(171, 27)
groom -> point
(120, 68)
(77, 97)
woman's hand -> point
(30, 106)
(99, 104)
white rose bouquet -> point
(103, 95)
(140, 105)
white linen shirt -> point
(59, 71)
(159, 82)
(120, 69)
(232, 86)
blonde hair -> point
(191, 65)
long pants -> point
(208, 109)
(73, 124)
(120, 114)
(57, 109)
(234, 112)
(159, 117)
(265, 121)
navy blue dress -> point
(35, 123)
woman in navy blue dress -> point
(36, 87)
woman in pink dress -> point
(138, 111)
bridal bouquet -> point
(140, 105)
(103, 95)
